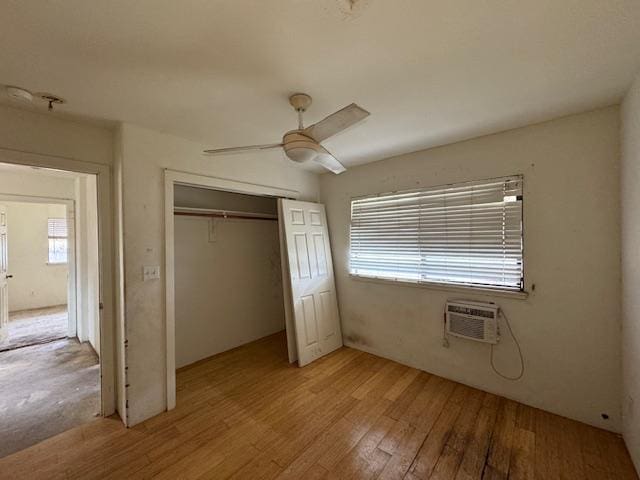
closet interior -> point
(228, 277)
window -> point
(462, 234)
(57, 228)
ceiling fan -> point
(303, 145)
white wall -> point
(87, 268)
(569, 327)
(145, 154)
(35, 283)
(228, 292)
(630, 175)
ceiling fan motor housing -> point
(299, 147)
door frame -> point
(172, 178)
(72, 286)
(108, 364)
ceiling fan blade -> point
(329, 162)
(222, 151)
(336, 122)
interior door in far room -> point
(4, 290)
(310, 276)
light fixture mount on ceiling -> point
(51, 99)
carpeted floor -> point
(30, 327)
(46, 389)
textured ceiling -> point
(219, 72)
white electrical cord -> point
(519, 353)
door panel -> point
(310, 320)
(320, 257)
(310, 276)
(302, 256)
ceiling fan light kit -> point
(300, 148)
(303, 145)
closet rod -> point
(225, 215)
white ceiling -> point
(219, 72)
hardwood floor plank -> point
(402, 384)
(402, 458)
(526, 418)
(393, 438)
(474, 458)
(406, 398)
(547, 455)
(462, 430)
(365, 460)
(432, 448)
(522, 464)
(502, 440)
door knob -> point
(8, 276)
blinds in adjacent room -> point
(57, 233)
(57, 227)
(463, 234)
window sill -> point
(439, 286)
(57, 264)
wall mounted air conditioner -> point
(472, 320)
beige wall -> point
(631, 270)
(569, 327)
(35, 283)
(144, 156)
(228, 291)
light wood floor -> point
(248, 414)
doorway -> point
(49, 306)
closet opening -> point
(243, 262)
(227, 272)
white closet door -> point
(313, 292)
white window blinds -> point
(57, 233)
(57, 228)
(463, 234)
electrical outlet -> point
(150, 272)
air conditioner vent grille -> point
(468, 327)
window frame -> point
(500, 291)
(57, 237)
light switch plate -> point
(150, 272)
